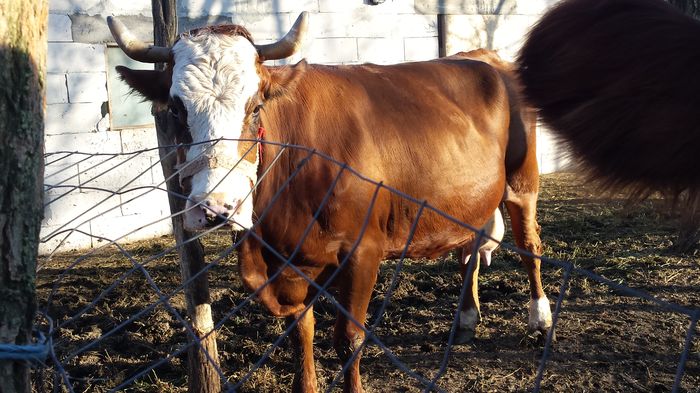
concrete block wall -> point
(343, 32)
(82, 206)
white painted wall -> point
(343, 31)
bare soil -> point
(607, 340)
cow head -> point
(214, 87)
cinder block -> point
(128, 229)
(367, 24)
(293, 6)
(72, 6)
(198, 8)
(60, 179)
(87, 87)
(380, 50)
(131, 7)
(82, 146)
(58, 158)
(333, 50)
(483, 7)
(59, 28)
(400, 6)
(101, 7)
(56, 89)
(152, 204)
(503, 33)
(266, 26)
(416, 25)
(140, 140)
(418, 49)
(339, 6)
(388, 7)
(64, 57)
(73, 118)
(360, 23)
(93, 29)
(115, 173)
(73, 209)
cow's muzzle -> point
(219, 196)
(214, 210)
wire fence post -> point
(202, 354)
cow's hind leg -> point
(469, 314)
(303, 343)
(356, 284)
(522, 210)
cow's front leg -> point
(469, 314)
(303, 342)
(356, 285)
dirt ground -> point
(607, 341)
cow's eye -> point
(173, 111)
(257, 109)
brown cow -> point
(449, 132)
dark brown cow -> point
(450, 132)
(618, 81)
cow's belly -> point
(442, 229)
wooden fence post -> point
(202, 370)
(23, 48)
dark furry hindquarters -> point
(619, 82)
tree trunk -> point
(202, 370)
(22, 75)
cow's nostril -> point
(228, 207)
(208, 213)
(225, 214)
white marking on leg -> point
(485, 256)
(469, 319)
(540, 314)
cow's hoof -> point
(464, 336)
(539, 336)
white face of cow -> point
(215, 77)
(215, 84)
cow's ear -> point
(151, 84)
(283, 79)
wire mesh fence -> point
(115, 315)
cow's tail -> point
(619, 82)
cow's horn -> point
(133, 47)
(290, 43)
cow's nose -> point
(216, 210)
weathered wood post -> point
(203, 376)
(23, 46)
